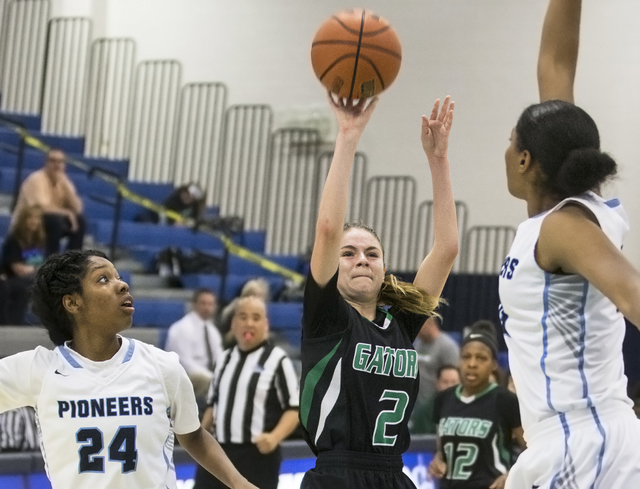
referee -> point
(253, 400)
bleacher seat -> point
(286, 319)
(239, 266)
(160, 313)
(233, 283)
(157, 192)
(5, 221)
(9, 136)
(65, 143)
(32, 122)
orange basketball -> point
(356, 54)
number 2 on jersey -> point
(121, 449)
(392, 416)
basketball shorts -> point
(591, 448)
(343, 469)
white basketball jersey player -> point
(565, 354)
(104, 424)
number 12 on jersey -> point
(121, 449)
(464, 455)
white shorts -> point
(586, 449)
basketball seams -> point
(364, 45)
(375, 68)
(338, 60)
(355, 32)
(355, 65)
(375, 33)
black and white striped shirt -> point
(18, 430)
(250, 391)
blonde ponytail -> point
(407, 297)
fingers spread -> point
(434, 111)
(445, 108)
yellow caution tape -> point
(231, 247)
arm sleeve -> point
(287, 385)
(325, 312)
(21, 378)
(183, 407)
(412, 322)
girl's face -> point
(105, 303)
(361, 268)
(476, 365)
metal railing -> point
(390, 208)
(152, 122)
(22, 50)
(485, 248)
(423, 240)
(357, 184)
(290, 193)
(242, 162)
(195, 150)
(65, 75)
(109, 91)
(3, 4)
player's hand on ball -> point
(437, 467)
(352, 116)
(436, 128)
(266, 443)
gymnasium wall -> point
(483, 52)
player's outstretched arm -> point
(434, 270)
(558, 55)
(207, 452)
(352, 119)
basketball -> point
(356, 54)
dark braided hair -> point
(60, 275)
(565, 142)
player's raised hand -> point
(352, 116)
(436, 128)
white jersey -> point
(564, 336)
(104, 424)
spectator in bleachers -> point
(253, 400)
(22, 253)
(435, 349)
(53, 191)
(422, 416)
(187, 200)
(18, 430)
(197, 342)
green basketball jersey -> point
(475, 435)
(359, 377)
